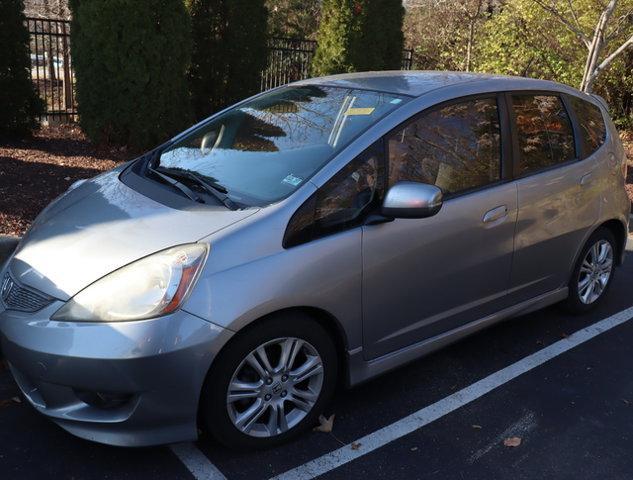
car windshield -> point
(261, 151)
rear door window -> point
(593, 131)
(456, 147)
(544, 131)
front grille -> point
(17, 297)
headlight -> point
(150, 287)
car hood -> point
(101, 225)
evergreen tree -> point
(130, 60)
(338, 37)
(389, 22)
(357, 35)
(229, 52)
(19, 104)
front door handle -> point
(495, 214)
(586, 179)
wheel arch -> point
(618, 229)
(324, 318)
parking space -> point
(573, 414)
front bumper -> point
(156, 368)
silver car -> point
(315, 235)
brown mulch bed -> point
(35, 171)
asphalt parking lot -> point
(561, 384)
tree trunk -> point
(469, 48)
(595, 48)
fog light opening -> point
(103, 400)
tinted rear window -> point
(592, 129)
(544, 130)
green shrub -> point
(357, 35)
(19, 104)
(131, 59)
(229, 52)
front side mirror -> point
(412, 200)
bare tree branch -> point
(605, 63)
(623, 20)
(574, 15)
(562, 19)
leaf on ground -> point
(512, 442)
(16, 399)
(476, 427)
(356, 445)
(325, 424)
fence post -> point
(68, 85)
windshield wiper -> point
(190, 194)
(211, 187)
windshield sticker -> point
(360, 111)
(292, 180)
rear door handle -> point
(586, 179)
(495, 214)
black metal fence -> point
(289, 60)
(51, 67)
(52, 73)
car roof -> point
(418, 82)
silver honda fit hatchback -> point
(326, 231)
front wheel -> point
(270, 383)
(593, 273)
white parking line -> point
(426, 415)
(196, 462)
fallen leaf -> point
(16, 399)
(356, 445)
(512, 442)
(413, 449)
(478, 427)
(625, 401)
(325, 424)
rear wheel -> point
(270, 383)
(593, 273)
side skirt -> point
(361, 370)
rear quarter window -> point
(593, 131)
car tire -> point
(222, 416)
(587, 269)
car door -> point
(422, 277)
(558, 194)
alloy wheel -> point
(275, 387)
(595, 272)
